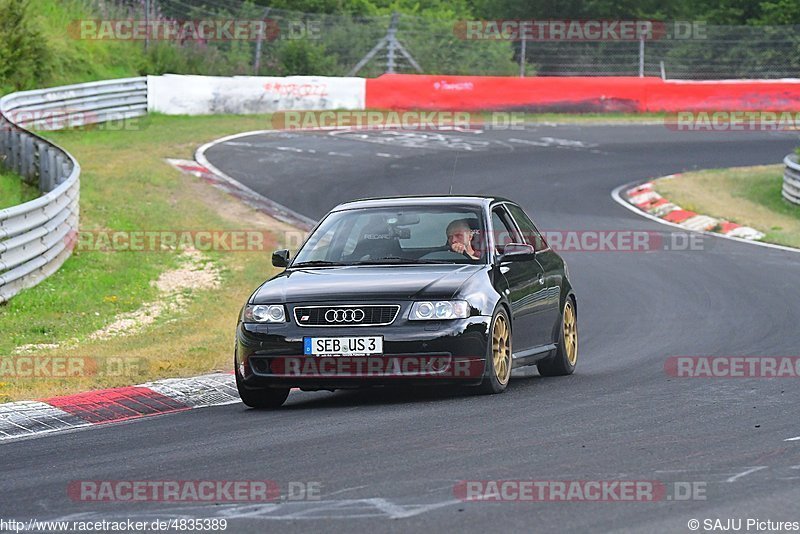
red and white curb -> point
(647, 200)
(218, 179)
(29, 418)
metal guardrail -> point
(38, 236)
(791, 179)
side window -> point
(503, 228)
(529, 232)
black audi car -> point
(409, 290)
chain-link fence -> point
(718, 52)
(339, 45)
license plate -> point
(342, 346)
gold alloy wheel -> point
(501, 349)
(570, 334)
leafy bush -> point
(304, 57)
(24, 57)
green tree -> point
(24, 56)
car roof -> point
(420, 200)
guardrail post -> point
(52, 165)
(22, 162)
(4, 132)
(59, 168)
(21, 159)
(28, 160)
(66, 170)
(45, 174)
(13, 147)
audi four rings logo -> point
(346, 315)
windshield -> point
(407, 235)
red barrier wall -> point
(579, 94)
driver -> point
(459, 239)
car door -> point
(526, 286)
(549, 261)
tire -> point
(261, 398)
(565, 359)
(498, 355)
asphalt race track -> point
(388, 460)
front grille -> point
(356, 315)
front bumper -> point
(414, 353)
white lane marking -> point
(385, 155)
(343, 154)
(793, 439)
(750, 471)
(289, 148)
(572, 143)
(527, 142)
(327, 509)
(238, 143)
(553, 142)
(795, 467)
(413, 139)
(345, 490)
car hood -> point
(359, 282)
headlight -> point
(264, 313)
(439, 309)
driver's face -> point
(459, 235)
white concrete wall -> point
(176, 94)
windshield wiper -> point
(318, 263)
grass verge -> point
(750, 196)
(126, 185)
(13, 190)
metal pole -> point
(522, 59)
(391, 45)
(663, 71)
(641, 57)
(147, 24)
(257, 58)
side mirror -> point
(517, 252)
(280, 258)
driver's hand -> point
(458, 248)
